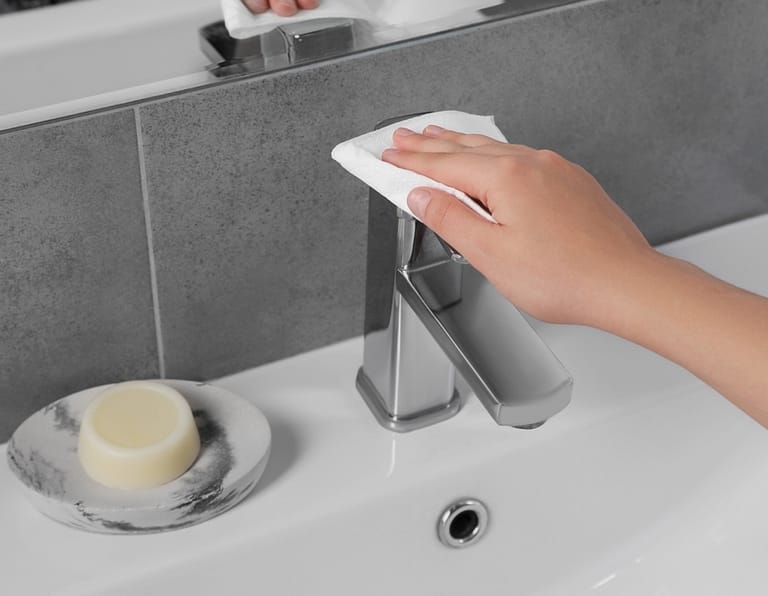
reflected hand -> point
(284, 8)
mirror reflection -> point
(63, 57)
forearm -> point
(564, 252)
(713, 329)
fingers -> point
(404, 138)
(453, 221)
(466, 140)
(465, 171)
(434, 135)
(473, 164)
(285, 8)
(257, 6)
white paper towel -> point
(241, 23)
(361, 157)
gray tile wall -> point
(258, 238)
(76, 305)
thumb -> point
(451, 219)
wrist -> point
(641, 291)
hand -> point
(563, 251)
(561, 246)
(284, 8)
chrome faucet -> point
(429, 313)
(291, 43)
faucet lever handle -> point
(455, 255)
(419, 230)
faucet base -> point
(399, 423)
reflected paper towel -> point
(241, 23)
(361, 157)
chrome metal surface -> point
(403, 423)
(407, 375)
(507, 365)
(429, 313)
(284, 46)
(319, 39)
(462, 523)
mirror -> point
(66, 57)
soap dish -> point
(235, 440)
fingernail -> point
(433, 131)
(289, 5)
(389, 154)
(418, 199)
(404, 132)
(258, 6)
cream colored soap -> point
(137, 434)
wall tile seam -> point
(150, 243)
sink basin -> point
(647, 483)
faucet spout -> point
(428, 314)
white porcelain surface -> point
(234, 449)
(648, 483)
(86, 55)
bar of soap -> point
(137, 434)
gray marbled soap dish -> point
(235, 440)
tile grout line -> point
(150, 244)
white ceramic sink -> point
(648, 483)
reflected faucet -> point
(429, 313)
(291, 43)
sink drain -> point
(462, 523)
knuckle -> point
(549, 156)
(436, 214)
(256, 5)
(510, 164)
